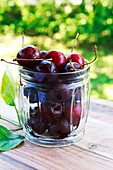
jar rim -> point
(61, 73)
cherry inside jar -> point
(54, 106)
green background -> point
(54, 24)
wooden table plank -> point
(99, 128)
(7, 162)
(94, 151)
(98, 138)
(58, 158)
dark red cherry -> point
(45, 67)
(57, 57)
(37, 125)
(76, 113)
(76, 57)
(43, 53)
(59, 129)
(71, 66)
(28, 52)
(60, 93)
(54, 129)
(64, 128)
(51, 111)
(45, 78)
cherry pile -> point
(49, 61)
(52, 118)
(51, 109)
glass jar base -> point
(49, 142)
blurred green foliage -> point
(53, 24)
(59, 19)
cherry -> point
(31, 93)
(60, 93)
(54, 129)
(45, 78)
(76, 57)
(71, 66)
(76, 113)
(59, 129)
(28, 52)
(51, 111)
(46, 67)
(57, 57)
(37, 125)
(64, 128)
(43, 53)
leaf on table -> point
(8, 88)
(9, 140)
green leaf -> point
(9, 140)
(8, 88)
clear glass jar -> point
(54, 107)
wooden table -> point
(93, 152)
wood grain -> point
(93, 152)
(99, 128)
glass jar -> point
(54, 106)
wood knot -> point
(92, 146)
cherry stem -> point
(15, 59)
(70, 61)
(35, 59)
(14, 64)
(22, 39)
(77, 34)
(95, 51)
(9, 62)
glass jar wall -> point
(54, 107)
